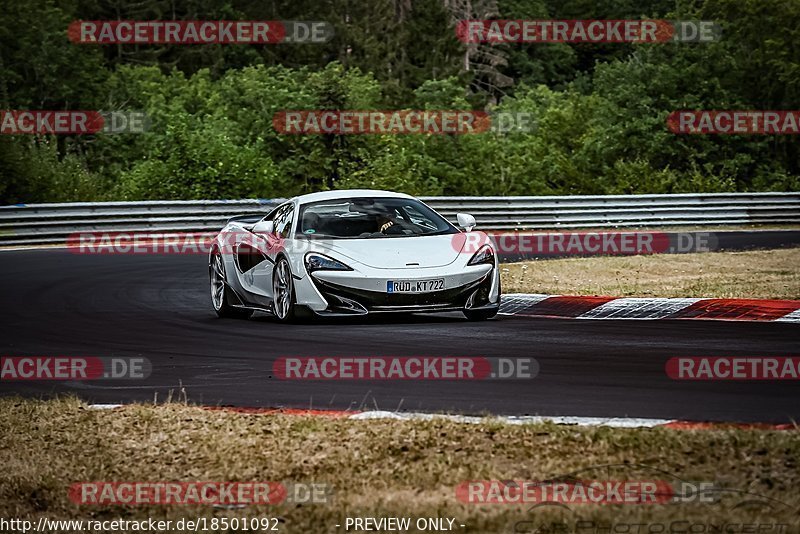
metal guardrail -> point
(53, 223)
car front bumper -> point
(356, 293)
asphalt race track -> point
(57, 303)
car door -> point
(272, 245)
(249, 253)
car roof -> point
(347, 193)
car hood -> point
(396, 252)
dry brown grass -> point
(754, 274)
(378, 468)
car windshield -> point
(366, 218)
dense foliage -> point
(600, 109)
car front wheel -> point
(283, 304)
(480, 315)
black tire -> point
(284, 305)
(484, 315)
(220, 292)
(480, 315)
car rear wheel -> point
(220, 292)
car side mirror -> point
(466, 221)
(264, 227)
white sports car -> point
(352, 252)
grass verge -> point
(384, 468)
(765, 274)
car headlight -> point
(484, 255)
(320, 262)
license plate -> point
(414, 286)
